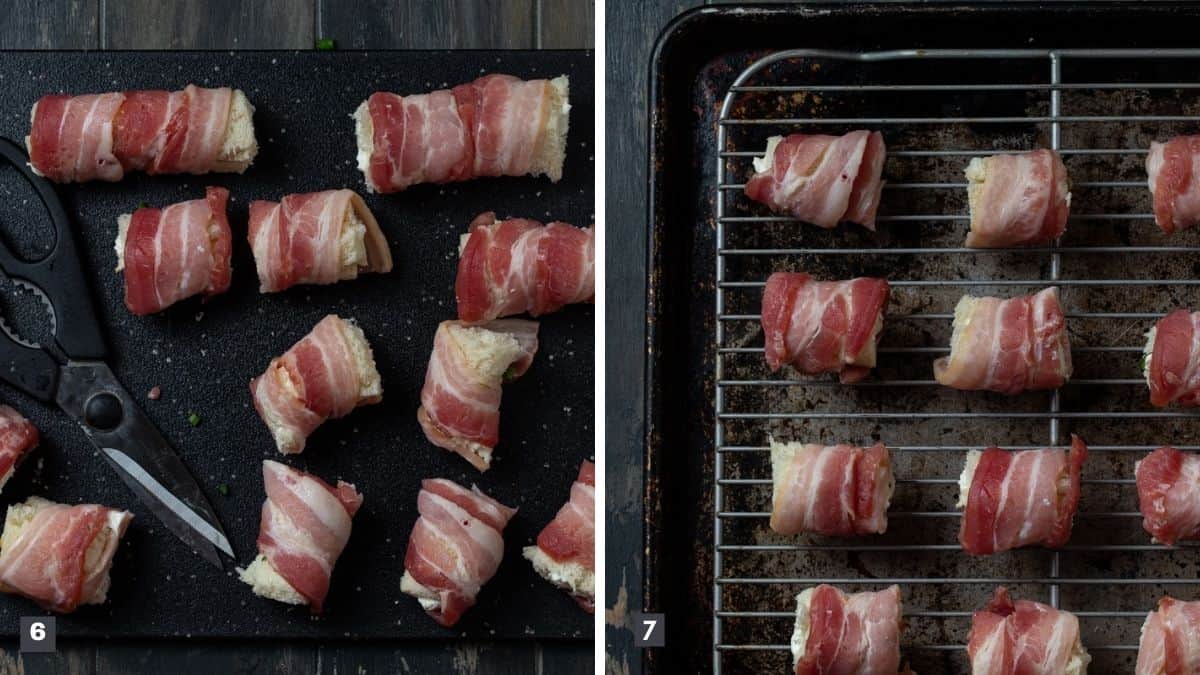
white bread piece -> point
(239, 146)
(764, 163)
(352, 250)
(362, 244)
(426, 596)
(551, 149)
(123, 221)
(371, 390)
(488, 354)
(20, 515)
(976, 176)
(799, 641)
(1147, 351)
(570, 576)
(967, 476)
(1078, 662)
(364, 135)
(267, 583)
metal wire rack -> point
(937, 108)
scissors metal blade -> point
(90, 393)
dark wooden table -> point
(297, 24)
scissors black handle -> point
(59, 274)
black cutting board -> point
(204, 355)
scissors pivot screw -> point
(103, 411)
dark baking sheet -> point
(696, 59)
(203, 356)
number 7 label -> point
(650, 630)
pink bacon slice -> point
(823, 326)
(517, 266)
(455, 547)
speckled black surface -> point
(203, 356)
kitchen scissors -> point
(71, 372)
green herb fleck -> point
(193, 419)
(510, 374)
(326, 44)
(143, 205)
(223, 489)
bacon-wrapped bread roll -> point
(836, 490)
(515, 266)
(460, 402)
(17, 437)
(1174, 171)
(856, 634)
(1017, 200)
(1007, 346)
(1168, 486)
(315, 238)
(497, 125)
(455, 548)
(102, 136)
(823, 326)
(1171, 360)
(822, 180)
(305, 526)
(1026, 638)
(327, 374)
(1170, 643)
(565, 554)
(1015, 499)
(174, 253)
(60, 555)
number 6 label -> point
(38, 634)
(649, 630)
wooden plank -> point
(566, 24)
(208, 24)
(32, 24)
(188, 658)
(420, 24)
(70, 659)
(631, 29)
(515, 658)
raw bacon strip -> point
(325, 375)
(17, 437)
(102, 136)
(497, 125)
(822, 180)
(565, 554)
(304, 529)
(1024, 638)
(836, 490)
(455, 548)
(856, 634)
(1007, 346)
(1174, 171)
(1172, 360)
(59, 555)
(1017, 200)
(460, 402)
(1014, 499)
(1170, 643)
(176, 252)
(823, 326)
(517, 265)
(1168, 485)
(315, 238)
